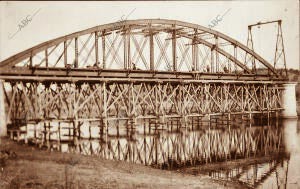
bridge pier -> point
(289, 101)
(3, 125)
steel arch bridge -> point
(147, 69)
(148, 49)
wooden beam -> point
(65, 53)
(103, 50)
(76, 53)
(96, 49)
(174, 54)
(151, 43)
(46, 57)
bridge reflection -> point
(272, 173)
(277, 170)
(167, 145)
(243, 149)
(185, 146)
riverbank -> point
(24, 167)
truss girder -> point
(150, 45)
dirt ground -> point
(23, 167)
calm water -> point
(282, 171)
(256, 153)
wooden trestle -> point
(109, 100)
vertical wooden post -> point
(229, 66)
(156, 101)
(96, 49)
(103, 49)
(76, 53)
(229, 120)
(151, 52)
(145, 151)
(235, 57)
(132, 102)
(65, 54)
(174, 56)
(30, 61)
(104, 115)
(243, 107)
(250, 118)
(46, 57)
(129, 63)
(217, 54)
(250, 46)
(195, 54)
(125, 42)
(76, 131)
(212, 62)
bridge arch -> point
(147, 45)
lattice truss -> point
(32, 101)
(149, 45)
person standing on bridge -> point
(133, 66)
(207, 68)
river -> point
(253, 153)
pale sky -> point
(55, 19)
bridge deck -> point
(96, 74)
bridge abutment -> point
(289, 101)
(3, 126)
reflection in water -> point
(254, 152)
(292, 146)
(270, 172)
(275, 171)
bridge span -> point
(141, 69)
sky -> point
(26, 24)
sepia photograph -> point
(150, 94)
